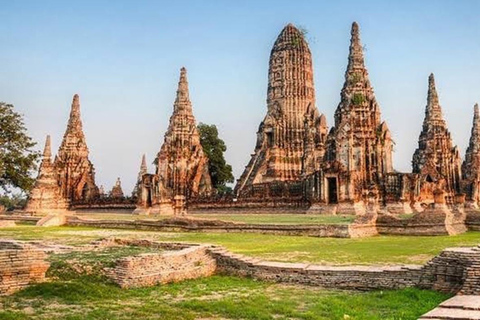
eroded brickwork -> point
(436, 159)
(181, 165)
(46, 195)
(290, 140)
(359, 146)
(151, 269)
(20, 265)
(471, 164)
(71, 176)
(117, 191)
(76, 173)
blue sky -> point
(124, 57)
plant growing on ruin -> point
(358, 99)
(355, 78)
(214, 148)
(17, 158)
(297, 41)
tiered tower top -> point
(74, 143)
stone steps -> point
(457, 308)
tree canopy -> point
(214, 148)
(17, 158)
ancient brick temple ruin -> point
(291, 138)
(471, 164)
(136, 193)
(117, 191)
(359, 146)
(46, 195)
(436, 160)
(297, 161)
(182, 167)
(294, 157)
(71, 176)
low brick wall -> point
(473, 220)
(447, 272)
(320, 230)
(20, 218)
(421, 224)
(252, 204)
(20, 265)
(338, 277)
(150, 269)
(454, 270)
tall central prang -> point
(293, 124)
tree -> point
(214, 147)
(17, 159)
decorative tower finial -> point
(143, 166)
(476, 115)
(74, 122)
(47, 151)
(432, 99)
(183, 98)
(355, 57)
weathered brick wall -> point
(471, 285)
(447, 271)
(473, 220)
(325, 230)
(20, 265)
(348, 277)
(422, 224)
(149, 269)
(451, 271)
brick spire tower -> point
(45, 196)
(359, 145)
(292, 118)
(436, 158)
(181, 163)
(75, 171)
(471, 164)
(143, 171)
(181, 166)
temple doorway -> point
(332, 190)
(149, 197)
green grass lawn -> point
(374, 250)
(72, 296)
(257, 218)
(264, 218)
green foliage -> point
(17, 159)
(214, 148)
(358, 99)
(297, 40)
(355, 78)
(13, 201)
